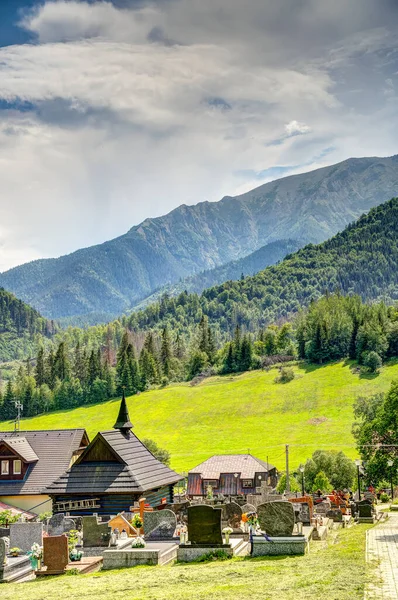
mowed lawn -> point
(334, 569)
(237, 414)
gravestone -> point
(4, 532)
(204, 525)
(233, 515)
(55, 553)
(24, 535)
(323, 507)
(3, 552)
(276, 518)
(95, 534)
(365, 510)
(335, 514)
(302, 512)
(248, 508)
(160, 525)
(59, 524)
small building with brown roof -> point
(231, 475)
(112, 473)
(31, 460)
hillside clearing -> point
(234, 414)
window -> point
(247, 483)
(212, 482)
(17, 467)
(5, 467)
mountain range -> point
(115, 276)
(360, 260)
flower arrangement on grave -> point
(35, 554)
(251, 520)
(138, 543)
(227, 532)
(73, 540)
(209, 494)
(137, 522)
(15, 551)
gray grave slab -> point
(160, 525)
(24, 535)
(94, 533)
(3, 552)
(59, 524)
(204, 525)
(276, 518)
(248, 508)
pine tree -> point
(61, 363)
(165, 352)
(40, 374)
(8, 408)
(148, 369)
(229, 363)
(246, 355)
(135, 379)
(79, 366)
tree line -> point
(94, 369)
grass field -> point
(334, 569)
(232, 414)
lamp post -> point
(390, 464)
(358, 464)
(301, 468)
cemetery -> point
(115, 508)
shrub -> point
(286, 374)
(373, 361)
(294, 485)
(212, 556)
(321, 482)
(384, 497)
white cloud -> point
(135, 111)
(296, 128)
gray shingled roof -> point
(21, 446)
(54, 449)
(244, 464)
(135, 469)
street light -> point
(301, 469)
(358, 464)
(390, 463)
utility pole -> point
(19, 407)
(287, 469)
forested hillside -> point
(115, 276)
(20, 326)
(277, 315)
(265, 256)
(361, 260)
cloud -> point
(120, 111)
(296, 128)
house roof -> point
(134, 470)
(244, 464)
(54, 450)
(21, 446)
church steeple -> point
(123, 420)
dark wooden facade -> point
(115, 470)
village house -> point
(31, 460)
(112, 473)
(231, 475)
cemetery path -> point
(382, 546)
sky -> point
(115, 111)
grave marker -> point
(160, 525)
(204, 525)
(58, 524)
(276, 518)
(24, 535)
(55, 554)
(95, 533)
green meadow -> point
(240, 413)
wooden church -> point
(112, 473)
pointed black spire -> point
(123, 420)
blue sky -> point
(111, 112)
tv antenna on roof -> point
(17, 422)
